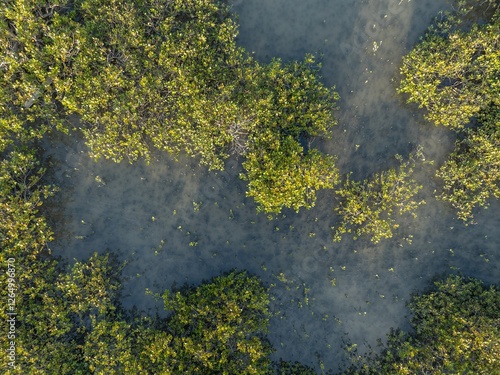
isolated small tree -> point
(292, 107)
(370, 207)
(280, 174)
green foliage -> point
(56, 311)
(369, 207)
(281, 174)
(472, 174)
(111, 348)
(23, 233)
(454, 73)
(218, 327)
(292, 106)
(159, 74)
(456, 331)
(292, 100)
(33, 49)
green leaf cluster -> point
(160, 75)
(281, 174)
(472, 174)
(293, 107)
(456, 331)
(369, 207)
(218, 327)
(29, 84)
(23, 232)
(454, 72)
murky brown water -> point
(174, 222)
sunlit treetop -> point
(156, 74)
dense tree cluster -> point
(25, 264)
(456, 330)
(158, 74)
(70, 322)
(167, 75)
(454, 72)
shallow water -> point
(174, 222)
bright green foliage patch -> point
(455, 74)
(281, 174)
(158, 75)
(55, 313)
(32, 59)
(161, 74)
(22, 231)
(292, 105)
(369, 207)
(293, 101)
(218, 327)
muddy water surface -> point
(174, 222)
